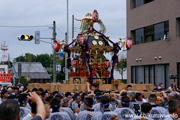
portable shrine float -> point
(88, 63)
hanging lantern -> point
(107, 64)
(80, 39)
(56, 46)
(95, 16)
(75, 62)
(128, 43)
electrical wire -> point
(7, 26)
(60, 31)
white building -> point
(3, 68)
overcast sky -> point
(44, 12)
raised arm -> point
(87, 86)
(164, 95)
(40, 106)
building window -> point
(137, 3)
(146, 75)
(151, 74)
(147, 1)
(139, 74)
(166, 26)
(178, 26)
(159, 74)
(139, 33)
(133, 36)
(133, 74)
(159, 31)
(150, 33)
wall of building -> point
(151, 13)
(3, 68)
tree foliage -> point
(61, 75)
(121, 67)
(23, 80)
(44, 59)
(7, 63)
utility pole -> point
(66, 70)
(54, 53)
(72, 26)
(14, 80)
(8, 62)
(67, 21)
(66, 38)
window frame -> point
(133, 32)
(143, 36)
(178, 26)
(133, 3)
(163, 29)
(149, 74)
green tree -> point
(121, 67)
(30, 57)
(20, 59)
(61, 75)
(23, 80)
(7, 62)
(44, 59)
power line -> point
(59, 30)
(24, 26)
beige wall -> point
(82, 87)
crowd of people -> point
(19, 103)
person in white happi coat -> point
(56, 114)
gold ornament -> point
(90, 63)
(100, 43)
(94, 42)
(96, 37)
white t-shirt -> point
(170, 88)
(28, 117)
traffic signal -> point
(25, 38)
